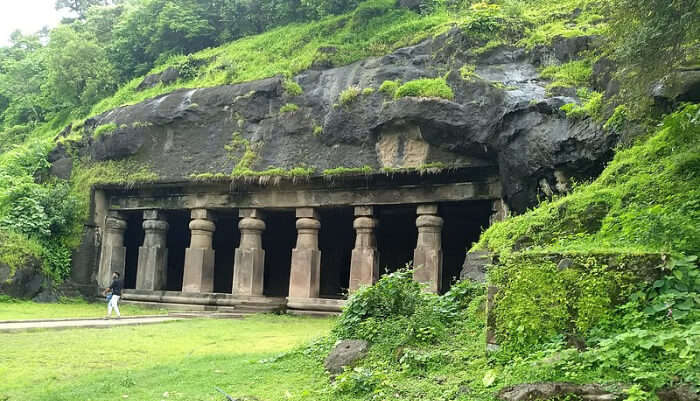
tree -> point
(81, 7)
(79, 73)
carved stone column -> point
(427, 258)
(249, 260)
(113, 258)
(304, 280)
(364, 264)
(199, 257)
(152, 271)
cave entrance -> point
(336, 240)
(178, 239)
(133, 239)
(396, 236)
(226, 239)
(279, 238)
(463, 224)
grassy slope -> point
(186, 359)
(22, 310)
(647, 199)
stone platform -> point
(188, 302)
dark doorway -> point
(396, 236)
(279, 239)
(226, 238)
(133, 239)
(178, 240)
(336, 240)
(463, 223)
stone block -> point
(248, 272)
(251, 213)
(427, 267)
(152, 268)
(304, 279)
(199, 270)
(152, 215)
(364, 211)
(202, 214)
(364, 268)
(307, 213)
(427, 209)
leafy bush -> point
(572, 74)
(426, 87)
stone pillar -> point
(152, 271)
(113, 258)
(364, 265)
(305, 276)
(249, 260)
(199, 257)
(427, 258)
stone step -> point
(193, 308)
(315, 313)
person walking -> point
(116, 292)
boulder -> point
(346, 353)
(46, 296)
(603, 71)
(679, 393)
(549, 391)
(62, 168)
(681, 86)
(25, 283)
(166, 77)
(474, 267)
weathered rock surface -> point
(474, 267)
(549, 391)
(499, 117)
(345, 353)
(24, 283)
(680, 393)
(168, 76)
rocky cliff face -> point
(500, 115)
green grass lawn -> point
(21, 310)
(184, 359)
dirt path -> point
(57, 324)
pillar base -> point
(152, 268)
(304, 279)
(249, 272)
(199, 270)
(364, 268)
(114, 260)
(427, 267)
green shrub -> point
(426, 87)
(288, 108)
(318, 130)
(617, 120)
(395, 310)
(368, 10)
(390, 87)
(349, 95)
(292, 88)
(367, 91)
(572, 74)
(105, 129)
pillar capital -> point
(251, 213)
(365, 223)
(430, 208)
(153, 214)
(203, 214)
(115, 224)
(308, 224)
(364, 211)
(427, 222)
(251, 224)
(307, 213)
(202, 225)
(157, 226)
